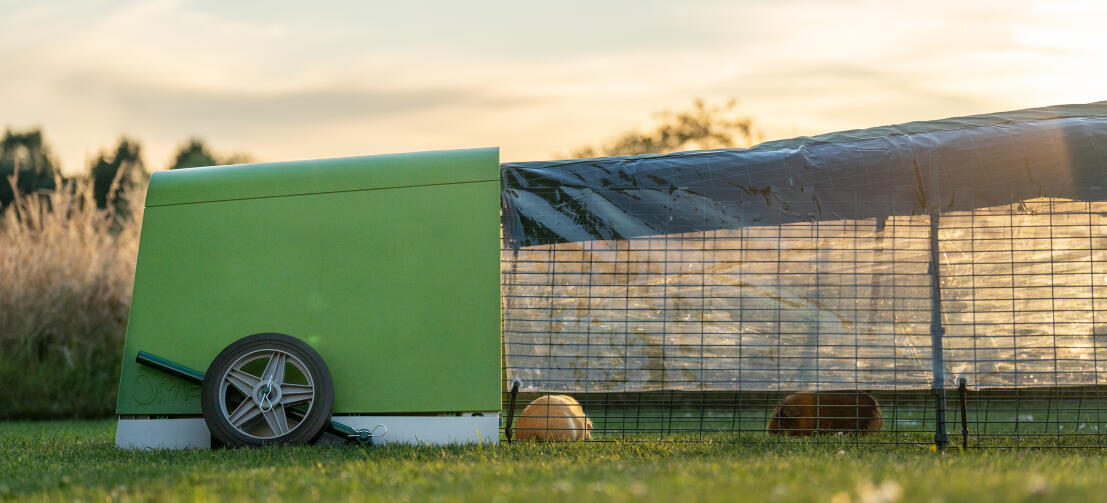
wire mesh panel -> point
(1021, 290)
(702, 332)
(885, 287)
(798, 305)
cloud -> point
(159, 106)
(293, 80)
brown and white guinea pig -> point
(556, 418)
(806, 413)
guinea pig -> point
(805, 413)
(557, 418)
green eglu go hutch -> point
(369, 283)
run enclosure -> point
(682, 296)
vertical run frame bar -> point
(937, 332)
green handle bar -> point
(196, 377)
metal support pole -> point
(937, 331)
(962, 384)
(511, 409)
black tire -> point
(264, 427)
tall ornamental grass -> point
(66, 270)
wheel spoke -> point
(277, 420)
(246, 411)
(274, 371)
(244, 381)
(296, 393)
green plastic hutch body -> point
(387, 265)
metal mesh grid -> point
(701, 335)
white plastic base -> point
(192, 432)
(431, 430)
(180, 433)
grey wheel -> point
(266, 389)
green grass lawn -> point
(74, 461)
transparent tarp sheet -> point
(1024, 294)
(807, 264)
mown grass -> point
(55, 461)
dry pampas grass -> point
(66, 271)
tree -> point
(113, 176)
(701, 127)
(26, 157)
(195, 153)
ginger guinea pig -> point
(806, 412)
(553, 418)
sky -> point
(299, 80)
